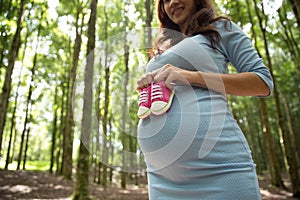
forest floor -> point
(42, 185)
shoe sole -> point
(165, 108)
(144, 114)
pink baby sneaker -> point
(161, 98)
(144, 102)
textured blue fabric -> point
(196, 150)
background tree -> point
(68, 129)
(82, 176)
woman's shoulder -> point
(230, 32)
(224, 25)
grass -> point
(36, 165)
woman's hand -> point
(168, 73)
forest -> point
(68, 99)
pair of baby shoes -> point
(156, 99)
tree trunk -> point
(270, 147)
(54, 131)
(106, 103)
(26, 145)
(291, 129)
(124, 107)
(11, 62)
(97, 160)
(58, 157)
(65, 137)
(62, 124)
(68, 133)
(81, 190)
(112, 153)
(124, 119)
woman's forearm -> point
(241, 84)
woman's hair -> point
(201, 22)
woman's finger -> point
(144, 81)
(162, 73)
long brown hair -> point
(201, 22)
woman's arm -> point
(241, 84)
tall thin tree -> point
(105, 118)
(125, 101)
(68, 132)
(82, 177)
(54, 130)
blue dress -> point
(197, 150)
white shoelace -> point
(143, 96)
(156, 92)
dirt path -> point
(42, 185)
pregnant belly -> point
(196, 118)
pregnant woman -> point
(195, 149)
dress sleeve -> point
(240, 52)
